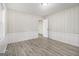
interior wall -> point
(21, 22)
(64, 26)
(21, 26)
(65, 21)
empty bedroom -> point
(39, 29)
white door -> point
(1, 26)
(40, 27)
(45, 27)
(2, 23)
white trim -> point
(3, 48)
(20, 36)
(68, 38)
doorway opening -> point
(43, 28)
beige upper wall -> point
(65, 21)
(21, 22)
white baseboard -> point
(20, 36)
(3, 48)
(68, 38)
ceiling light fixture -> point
(44, 4)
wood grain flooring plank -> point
(41, 47)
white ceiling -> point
(37, 9)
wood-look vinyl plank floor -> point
(41, 47)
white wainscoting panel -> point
(20, 36)
(68, 38)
